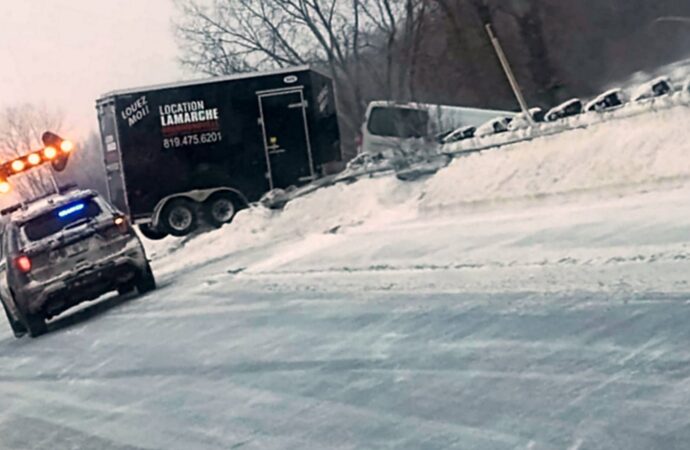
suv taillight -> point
(23, 263)
(121, 223)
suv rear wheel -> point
(18, 328)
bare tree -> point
(21, 128)
(348, 38)
(86, 168)
(528, 15)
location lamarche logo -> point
(186, 113)
(189, 123)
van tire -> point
(179, 217)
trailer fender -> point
(197, 196)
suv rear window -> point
(398, 122)
(60, 218)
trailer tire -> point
(219, 209)
(179, 217)
(151, 233)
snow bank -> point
(326, 211)
(643, 149)
(640, 149)
(678, 72)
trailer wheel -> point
(219, 209)
(178, 217)
(151, 233)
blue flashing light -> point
(70, 210)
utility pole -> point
(509, 73)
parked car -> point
(654, 88)
(62, 250)
(520, 121)
(493, 126)
(459, 134)
(569, 108)
(686, 86)
(612, 98)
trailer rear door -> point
(112, 159)
(286, 137)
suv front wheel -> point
(152, 233)
(145, 281)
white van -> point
(389, 126)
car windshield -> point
(398, 122)
(60, 218)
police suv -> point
(62, 250)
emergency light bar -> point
(75, 208)
(56, 151)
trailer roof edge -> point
(237, 76)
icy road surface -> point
(272, 348)
(553, 314)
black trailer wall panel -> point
(250, 132)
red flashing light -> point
(56, 151)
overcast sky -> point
(69, 52)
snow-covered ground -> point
(532, 297)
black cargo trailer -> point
(179, 153)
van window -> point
(56, 220)
(398, 122)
